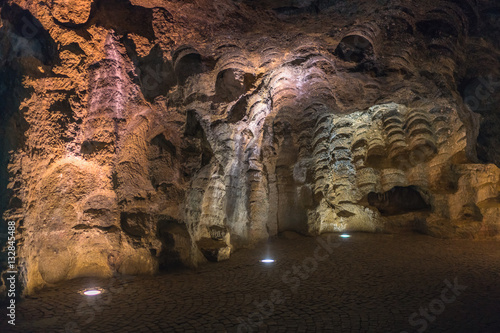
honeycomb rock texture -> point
(139, 135)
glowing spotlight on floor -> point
(345, 236)
(91, 292)
(267, 261)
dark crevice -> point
(28, 37)
(109, 229)
(231, 84)
(201, 149)
(356, 49)
(481, 95)
(398, 200)
(26, 40)
(164, 145)
(238, 111)
(122, 17)
(187, 62)
(436, 29)
(153, 72)
(176, 242)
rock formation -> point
(143, 134)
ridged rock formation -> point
(140, 134)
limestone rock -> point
(73, 12)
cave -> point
(249, 166)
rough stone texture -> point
(71, 12)
(142, 134)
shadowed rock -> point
(398, 200)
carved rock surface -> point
(72, 12)
(138, 135)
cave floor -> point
(366, 283)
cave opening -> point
(398, 200)
(481, 96)
(175, 244)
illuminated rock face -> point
(151, 134)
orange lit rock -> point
(73, 12)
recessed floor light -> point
(345, 236)
(267, 260)
(91, 292)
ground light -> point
(91, 292)
(345, 236)
(267, 260)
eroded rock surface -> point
(145, 134)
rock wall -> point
(139, 134)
